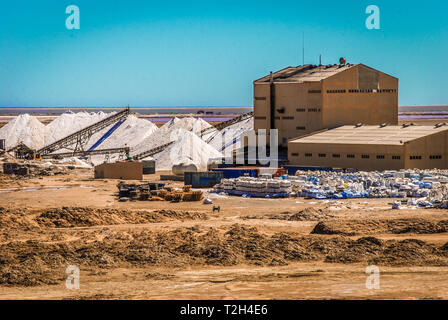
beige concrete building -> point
(373, 147)
(304, 99)
(120, 170)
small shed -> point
(125, 170)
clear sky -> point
(207, 53)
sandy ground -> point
(253, 249)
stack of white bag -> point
(257, 187)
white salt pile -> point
(226, 140)
(68, 123)
(188, 148)
(130, 133)
(26, 129)
(78, 163)
(163, 134)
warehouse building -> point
(304, 99)
(367, 147)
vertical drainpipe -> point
(405, 155)
(272, 101)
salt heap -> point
(188, 148)
(228, 138)
(164, 134)
(69, 122)
(26, 129)
(130, 133)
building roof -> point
(385, 135)
(305, 73)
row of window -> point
(363, 91)
(309, 110)
(350, 156)
(344, 91)
(367, 156)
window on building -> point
(288, 118)
(308, 154)
(300, 109)
(322, 155)
(350, 156)
(380, 156)
(260, 98)
(313, 110)
(396, 157)
(295, 154)
(336, 91)
(314, 91)
(415, 157)
(300, 128)
(336, 155)
(435, 157)
(365, 156)
(277, 118)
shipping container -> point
(203, 179)
(2, 144)
(230, 173)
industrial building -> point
(304, 99)
(367, 147)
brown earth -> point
(253, 249)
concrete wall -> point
(357, 104)
(120, 170)
(298, 154)
(428, 152)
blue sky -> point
(207, 53)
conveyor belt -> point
(84, 153)
(82, 136)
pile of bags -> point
(255, 187)
(424, 188)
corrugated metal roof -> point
(388, 135)
(306, 73)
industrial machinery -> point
(33, 155)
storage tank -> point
(180, 169)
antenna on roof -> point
(303, 48)
(320, 60)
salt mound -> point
(131, 132)
(228, 138)
(163, 134)
(188, 148)
(68, 123)
(24, 128)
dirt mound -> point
(374, 226)
(67, 217)
(13, 219)
(307, 214)
(310, 214)
(44, 262)
(324, 227)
